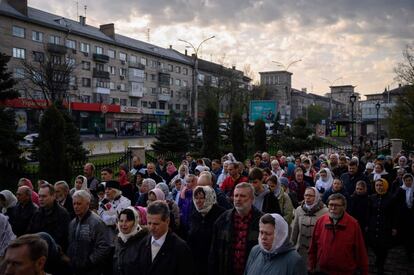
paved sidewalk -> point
(396, 263)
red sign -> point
(95, 107)
(27, 103)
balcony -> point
(55, 48)
(100, 58)
(164, 97)
(136, 93)
(136, 65)
(164, 80)
(100, 74)
(102, 91)
(136, 89)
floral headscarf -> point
(210, 198)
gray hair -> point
(83, 194)
(337, 196)
(247, 186)
(151, 183)
(63, 183)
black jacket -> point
(68, 205)
(351, 180)
(126, 255)
(358, 208)
(54, 221)
(271, 204)
(174, 257)
(200, 235)
(21, 216)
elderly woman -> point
(129, 237)
(81, 183)
(201, 225)
(171, 203)
(274, 255)
(324, 181)
(306, 215)
(147, 185)
(157, 194)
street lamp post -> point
(331, 83)
(195, 75)
(352, 98)
(377, 107)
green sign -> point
(263, 109)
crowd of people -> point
(310, 214)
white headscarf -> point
(10, 200)
(408, 192)
(281, 234)
(325, 184)
(316, 201)
(135, 229)
(210, 199)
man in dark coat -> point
(63, 197)
(152, 174)
(235, 233)
(90, 245)
(51, 217)
(23, 211)
(351, 177)
(162, 252)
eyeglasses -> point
(335, 205)
(308, 195)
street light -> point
(280, 64)
(377, 107)
(195, 75)
(352, 98)
(331, 83)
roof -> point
(274, 72)
(52, 21)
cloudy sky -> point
(358, 40)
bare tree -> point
(405, 70)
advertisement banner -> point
(263, 109)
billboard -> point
(263, 109)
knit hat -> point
(284, 181)
(113, 184)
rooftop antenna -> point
(85, 7)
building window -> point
(178, 82)
(144, 61)
(122, 72)
(111, 85)
(86, 65)
(145, 76)
(115, 100)
(172, 93)
(162, 105)
(84, 47)
(38, 56)
(111, 53)
(177, 69)
(123, 102)
(37, 36)
(19, 32)
(86, 82)
(153, 78)
(133, 59)
(102, 83)
(154, 64)
(70, 61)
(185, 83)
(144, 104)
(53, 39)
(184, 107)
(100, 67)
(134, 102)
(170, 68)
(153, 105)
(171, 81)
(85, 98)
(177, 107)
(71, 44)
(122, 56)
(185, 71)
(19, 53)
(18, 73)
(123, 87)
(98, 50)
(170, 107)
(112, 69)
(154, 91)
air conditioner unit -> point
(123, 62)
(73, 51)
(118, 87)
(122, 77)
(86, 54)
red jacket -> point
(228, 184)
(338, 249)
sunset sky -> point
(358, 40)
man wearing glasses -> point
(337, 245)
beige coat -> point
(302, 227)
(285, 206)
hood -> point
(159, 194)
(10, 199)
(281, 233)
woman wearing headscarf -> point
(171, 203)
(379, 172)
(324, 181)
(274, 255)
(182, 173)
(28, 183)
(201, 226)
(130, 234)
(405, 201)
(81, 183)
(285, 203)
(306, 215)
(171, 172)
(382, 223)
(157, 194)
(7, 201)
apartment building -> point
(118, 82)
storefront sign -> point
(95, 107)
(130, 109)
(27, 103)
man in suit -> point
(163, 252)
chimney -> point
(185, 52)
(82, 20)
(399, 85)
(108, 30)
(19, 5)
(233, 67)
(170, 47)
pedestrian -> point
(63, 197)
(130, 235)
(337, 245)
(298, 184)
(337, 187)
(306, 215)
(325, 180)
(147, 185)
(162, 251)
(285, 203)
(81, 183)
(274, 255)
(23, 211)
(7, 201)
(264, 200)
(201, 226)
(6, 234)
(358, 205)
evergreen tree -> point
(171, 138)
(260, 135)
(74, 149)
(10, 162)
(237, 136)
(53, 161)
(211, 133)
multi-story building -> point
(118, 82)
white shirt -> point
(157, 244)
